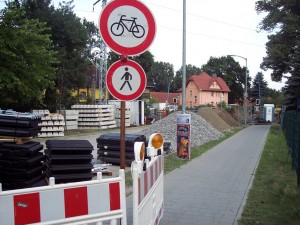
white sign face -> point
(183, 119)
(126, 80)
(128, 26)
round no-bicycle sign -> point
(126, 80)
(127, 27)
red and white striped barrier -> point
(73, 203)
(148, 192)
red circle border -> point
(104, 31)
(111, 88)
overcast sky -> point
(214, 28)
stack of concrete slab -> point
(71, 119)
(109, 147)
(69, 160)
(21, 165)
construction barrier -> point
(148, 189)
(85, 202)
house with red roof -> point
(163, 99)
(204, 89)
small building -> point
(204, 89)
(164, 98)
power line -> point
(203, 17)
(215, 37)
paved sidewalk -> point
(212, 189)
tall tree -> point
(27, 59)
(292, 87)
(71, 37)
(259, 87)
(283, 19)
(190, 70)
(232, 73)
(161, 76)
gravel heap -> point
(201, 131)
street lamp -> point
(167, 100)
(246, 93)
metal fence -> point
(291, 128)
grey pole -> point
(184, 58)
(246, 93)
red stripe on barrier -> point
(27, 208)
(76, 202)
(145, 182)
(151, 176)
(160, 165)
(114, 193)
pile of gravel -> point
(201, 131)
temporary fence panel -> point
(148, 187)
(77, 203)
(291, 129)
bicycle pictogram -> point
(118, 28)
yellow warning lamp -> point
(139, 156)
(155, 144)
(139, 151)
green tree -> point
(190, 70)
(231, 72)
(292, 87)
(161, 76)
(283, 19)
(72, 37)
(27, 59)
(259, 87)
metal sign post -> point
(128, 28)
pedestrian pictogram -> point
(126, 80)
(127, 76)
(127, 27)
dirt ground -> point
(218, 118)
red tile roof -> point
(161, 97)
(203, 81)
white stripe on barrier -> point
(48, 200)
(101, 194)
(148, 192)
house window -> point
(212, 94)
(195, 99)
(175, 100)
(191, 93)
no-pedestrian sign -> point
(127, 27)
(126, 80)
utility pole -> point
(102, 65)
(184, 58)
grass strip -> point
(274, 198)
